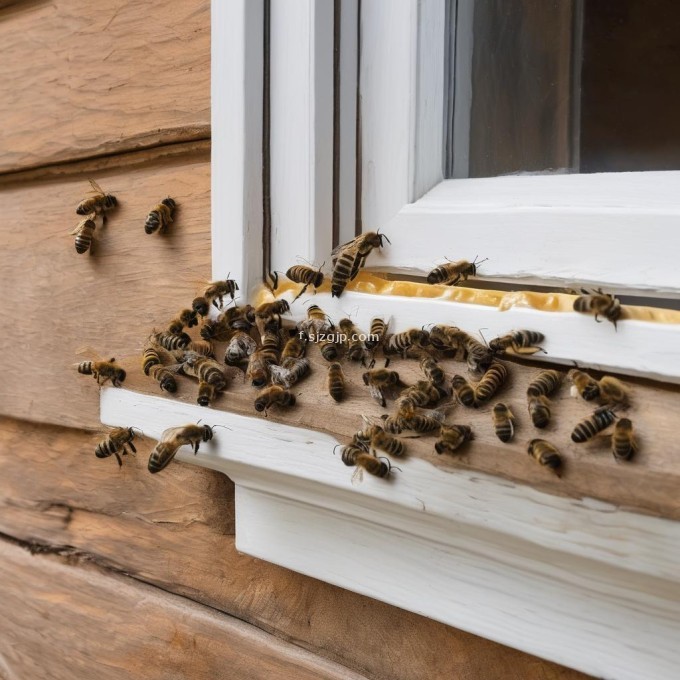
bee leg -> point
(195, 448)
(118, 458)
(304, 288)
(598, 320)
(132, 447)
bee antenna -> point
(482, 334)
(224, 426)
(335, 447)
(141, 434)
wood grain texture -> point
(78, 79)
(61, 301)
(175, 530)
(66, 622)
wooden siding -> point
(80, 79)
(61, 301)
(175, 531)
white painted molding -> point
(615, 230)
(402, 104)
(569, 336)
(236, 124)
(301, 122)
(579, 582)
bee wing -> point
(171, 433)
(358, 475)
(280, 375)
(95, 187)
(335, 253)
(377, 394)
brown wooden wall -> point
(108, 572)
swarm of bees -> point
(269, 351)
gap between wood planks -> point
(124, 157)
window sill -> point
(577, 581)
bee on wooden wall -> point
(186, 318)
(268, 315)
(587, 387)
(257, 373)
(174, 438)
(290, 371)
(376, 334)
(84, 234)
(160, 217)
(102, 371)
(624, 443)
(545, 383)
(117, 442)
(99, 203)
(350, 257)
(356, 351)
(317, 322)
(422, 394)
(205, 370)
(303, 274)
(217, 330)
(377, 439)
(503, 422)
(600, 419)
(240, 347)
(451, 273)
(432, 370)
(336, 381)
(214, 294)
(421, 422)
(598, 304)
(207, 393)
(171, 341)
(399, 343)
(493, 379)
(613, 391)
(381, 382)
(464, 392)
(164, 376)
(452, 437)
(520, 342)
(544, 453)
(539, 411)
(203, 347)
(295, 347)
(274, 395)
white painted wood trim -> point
(579, 582)
(301, 125)
(349, 64)
(402, 100)
(639, 348)
(236, 124)
(615, 230)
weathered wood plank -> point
(78, 79)
(60, 301)
(61, 621)
(175, 530)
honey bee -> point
(544, 453)
(492, 380)
(356, 351)
(601, 418)
(84, 234)
(443, 337)
(295, 347)
(376, 334)
(240, 347)
(452, 437)
(393, 424)
(599, 304)
(117, 442)
(214, 294)
(174, 438)
(479, 356)
(202, 347)
(350, 452)
(378, 440)
(307, 275)
(464, 392)
(207, 393)
(164, 377)
(350, 257)
(205, 369)
(274, 395)
(217, 330)
(451, 273)
(613, 391)
(545, 383)
(291, 371)
(99, 203)
(239, 318)
(624, 444)
(257, 372)
(539, 410)
(503, 422)
(421, 422)
(270, 349)
(399, 343)
(160, 217)
(102, 371)
(151, 357)
(316, 323)
(187, 317)
(588, 388)
(432, 370)
(520, 342)
(423, 393)
(172, 341)
(336, 381)
(328, 348)
(381, 381)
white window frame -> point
(579, 582)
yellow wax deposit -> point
(503, 301)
